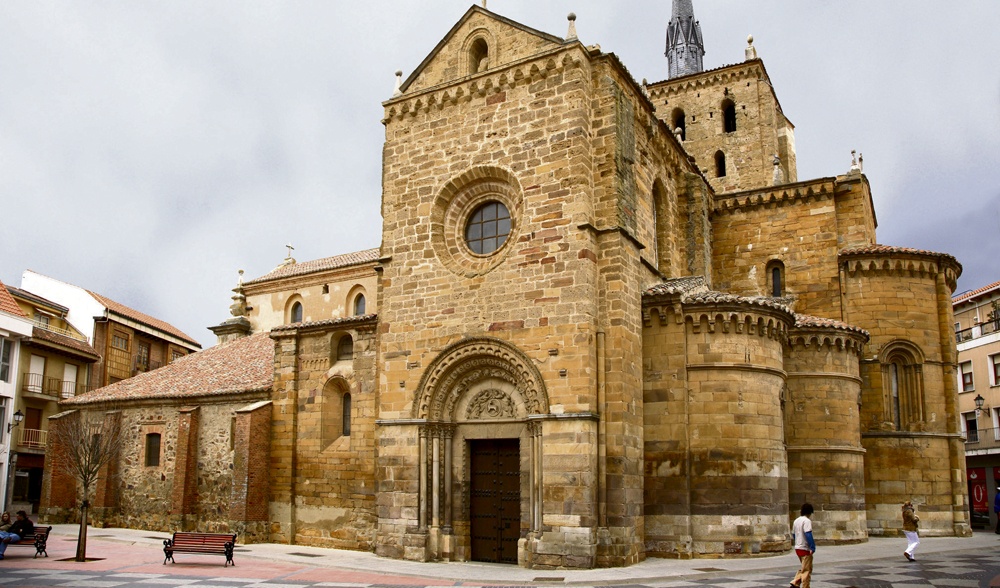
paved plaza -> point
(127, 558)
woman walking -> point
(910, 521)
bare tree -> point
(88, 441)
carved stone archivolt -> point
(491, 378)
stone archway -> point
(478, 389)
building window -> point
(728, 116)
(6, 349)
(479, 56)
(679, 123)
(720, 164)
(345, 348)
(175, 355)
(41, 319)
(152, 450)
(995, 369)
(903, 385)
(967, 384)
(335, 418)
(119, 340)
(359, 305)
(296, 315)
(142, 356)
(488, 228)
(971, 428)
(775, 273)
(346, 415)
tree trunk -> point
(81, 540)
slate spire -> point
(685, 46)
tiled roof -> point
(82, 347)
(143, 318)
(805, 321)
(974, 293)
(318, 265)
(678, 286)
(243, 365)
(327, 322)
(36, 299)
(889, 249)
(7, 303)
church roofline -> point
(474, 9)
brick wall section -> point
(903, 297)
(823, 431)
(251, 464)
(183, 494)
(107, 492)
(59, 486)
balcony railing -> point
(977, 331)
(141, 365)
(54, 387)
(33, 438)
(982, 439)
(72, 334)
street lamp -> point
(19, 416)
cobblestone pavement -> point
(129, 558)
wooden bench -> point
(38, 539)
(204, 543)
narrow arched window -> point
(678, 122)
(359, 305)
(345, 348)
(902, 386)
(776, 278)
(728, 116)
(346, 416)
(720, 164)
(479, 56)
(894, 393)
(296, 315)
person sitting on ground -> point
(5, 521)
(22, 527)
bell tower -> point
(685, 46)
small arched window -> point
(479, 56)
(720, 164)
(728, 116)
(345, 348)
(678, 122)
(359, 305)
(776, 278)
(346, 415)
(295, 316)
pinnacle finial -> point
(685, 45)
(750, 51)
(571, 17)
(398, 90)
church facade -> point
(606, 322)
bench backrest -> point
(203, 540)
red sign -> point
(978, 492)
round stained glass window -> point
(487, 228)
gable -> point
(480, 41)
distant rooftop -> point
(327, 263)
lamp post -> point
(12, 457)
(979, 400)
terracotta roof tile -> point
(327, 322)
(889, 249)
(143, 318)
(806, 321)
(974, 293)
(243, 365)
(7, 303)
(678, 286)
(82, 347)
(317, 265)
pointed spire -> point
(685, 46)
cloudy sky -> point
(149, 150)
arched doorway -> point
(480, 403)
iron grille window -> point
(152, 450)
(488, 228)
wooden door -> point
(495, 501)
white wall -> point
(82, 306)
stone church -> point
(607, 321)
